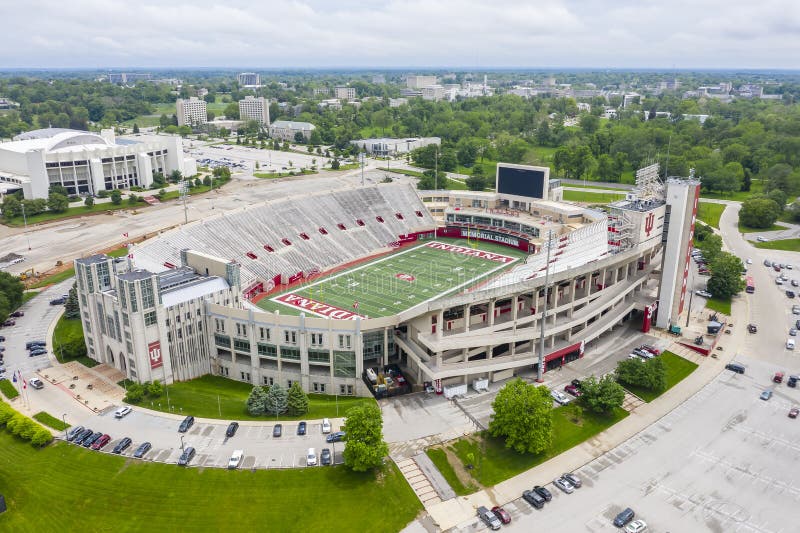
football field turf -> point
(397, 282)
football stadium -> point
(384, 289)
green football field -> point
(397, 282)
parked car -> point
(778, 377)
(142, 450)
(123, 411)
(624, 517)
(36, 383)
(325, 457)
(32, 344)
(704, 294)
(9, 323)
(235, 459)
(574, 480)
(102, 441)
(502, 514)
(790, 344)
(572, 389)
(335, 437)
(186, 457)
(311, 457)
(752, 328)
(795, 283)
(326, 424)
(564, 485)
(793, 412)
(489, 518)
(122, 445)
(790, 294)
(35, 353)
(761, 239)
(277, 430)
(17, 314)
(301, 428)
(766, 395)
(637, 526)
(559, 397)
(767, 263)
(778, 281)
(74, 432)
(652, 349)
(187, 423)
(576, 383)
(91, 439)
(231, 431)
(83, 435)
(543, 492)
(58, 301)
(797, 323)
(2, 338)
(533, 498)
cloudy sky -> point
(397, 33)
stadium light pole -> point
(540, 368)
(436, 170)
(25, 221)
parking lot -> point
(243, 158)
(261, 449)
(724, 461)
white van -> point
(790, 344)
(326, 425)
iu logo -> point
(154, 350)
(649, 222)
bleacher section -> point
(242, 235)
(582, 246)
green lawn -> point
(496, 463)
(599, 188)
(50, 421)
(273, 175)
(791, 245)
(677, 368)
(65, 331)
(745, 229)
(70, 272)
(120, 494)
(208, 396)
(48, 216)
(489, 169)
(710, 213)
(589, 197)
(756, 187)
(439, 458)
(719, 305)
(8, 389)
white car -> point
(326, 425)
(36, 383)
(749, 261)
(122, 412)
(790, 344)
(761, 239)
(637, 526)
(559, 397)
(704, 294)
(235, 460)
(311, 457)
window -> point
(289, 383)
(290, 337)
(219, 325)
(167, 322)
(349, 390)
(267, 349)
(132, 294)
(344, 364)
(150, 318)
(87, 326)
(344, 342)
(319, 356)
(342, 390)
(322, 388)
(315, 387)
(268, 380)
(241, 346)
(245, 376)
(223, 371)
(222, 341)
(241, 329)
(290, 353)
(148, 299)
(263, 334)
(316, 339)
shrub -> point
(135, 393)
(102, 194)
(154, 389)
(41, 437)
(22, 426)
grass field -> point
(590, 197)
(439, 458)
(70, 272)
(495, 463)
(217, 397)
(710, 213)
(747, 229)
(677, 368)
(67, 329)
(50, 421)
(719, 305)
(66, 488)
(756, 187)
(791, 245)
(8, 389)
(399, 281)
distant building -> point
(191, 112)
(330, 103)
(583, 106)
(433, 92)
(630, 99)
(386, 147)
(202, 92)
(287, 130)
(252, 108)
(418, 82)
(345, 93)
(379, 79)
(410, 93)
(397, 102)
(249, 80)
(5, 103)
(128, 78)
(321, 91)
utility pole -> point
(436, 170)
(184, 188)
(361, 160)
(540, 368)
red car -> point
(652, 349)
(502, 514)
(778, 377)
(572, 389)
(793, 412)
(102, 441)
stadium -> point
(384, 289)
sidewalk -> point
(454, 512)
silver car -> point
(564, 485)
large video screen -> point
(520, 182)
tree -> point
(135, 128)
(759, 212)
(89, 201)
(299, 138)
(12, 207)
(257, 401)
(364, 433)
(155, 389)
(606, 169)
(335, 164)
(35, 206)
(276, 400)
(57, 203)
(11, 289)
(726, 276)
(297, 400)
(589, 123)
(779, 197)
(602, 396)
(133, 199)
(116, 197)
(650, 374)
(207, 181)
(522, 414)
(71, 308)
(223, 173)
(429, 181)
(476, 182)
(57, 189)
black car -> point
(74, 432)
(797, 324)
(91, 439)
(325, 457)
(122, 445)
(231, 431)
(335, 437)
(624, 517)
(277, 431)
(186, 424)
(17, 314)
(79, 438)
(142, 449)
(533, 498)
(58, 301)
(10, 323)
(576, 383)
(301, 428)
(543, 492)
(186, 456)
(2, 338)
(35, 353)
(790, 294)
(31, 344)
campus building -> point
(252, 108)
(86, 163)
(287, 130)
(384, 147)
(249, 80)
(191, 112)
(345, 93)
(418, 82)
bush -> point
(154, 389)
(135, 393)
(41, 437)
(22, 426)
(116, 197)
(102, 193)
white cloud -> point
(318, 33)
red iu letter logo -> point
(649, 222)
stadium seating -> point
(242, 235)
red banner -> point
(470, 251)
(485, 235)
(154, 350)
